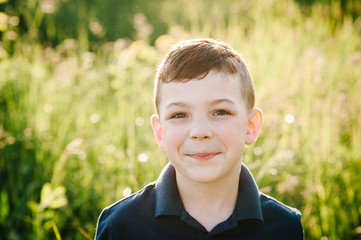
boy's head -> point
(204, 99)
(194, 59)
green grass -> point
(73, 124)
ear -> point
(157, 130)
(254, 125)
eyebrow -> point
(217, 101)
(177, 104)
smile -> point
(203, 156)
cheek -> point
(173, 137)
(233, 133)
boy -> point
(204, 100)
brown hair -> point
(195, 59)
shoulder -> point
(134, 200)
(272, 206)
(280, 217)
(125, 212)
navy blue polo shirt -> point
(157, 212)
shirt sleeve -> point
(299, 230)
(104, 226)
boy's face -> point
(204, 125)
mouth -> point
(203, 156)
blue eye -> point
(221, 113)
(179, 115)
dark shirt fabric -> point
(157, 212)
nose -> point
(200, 130)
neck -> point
(209, 203)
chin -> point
(205, 179)
(204, 176)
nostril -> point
(200, 136)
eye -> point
(221, 112)
(178, 115)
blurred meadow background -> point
(76, 81)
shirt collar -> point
(168, 201)
(248, 204)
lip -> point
(203, 156)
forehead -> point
(214, 86)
